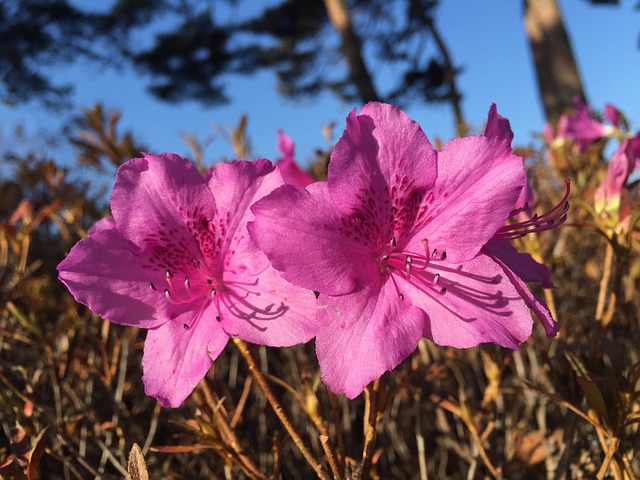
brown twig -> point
(228, 434)
(604, 282)
(371, 405)
(277, 408)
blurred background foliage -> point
(72, 403)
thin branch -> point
(277, 408)
(370, 427)
(449, 70)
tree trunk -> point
(340, 18)
(558, 77)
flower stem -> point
(370, 427)
(604, 282)
(277, 408)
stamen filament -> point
(549, 220)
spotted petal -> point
(307, 240)
(381, 169)
(107, 273)
(162, 200)
(479, 180)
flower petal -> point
(480, 305)
(521, 264)
(176, 358)
(364, 335)
(306, 239)
(268, 310)
(497, 125)
(288, 168)
(383, 165)
(162, 200)
(479, 180)
(107, 273)
(521, 269)
(102, 224)
(237, 185)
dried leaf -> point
(36, 454)
(137, 467)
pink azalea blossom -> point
(393, 242)
(613, 115)
(291, 172)
(623, 161)
(582, 128)
(177, 259)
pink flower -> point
(582, 128)
(176, 259)
(393, 243)
(613, 115)
(291, 172)
(623, 161)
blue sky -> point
(485, 37)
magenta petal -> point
(480, 304)
(381, 148)
(551, 327)
(237, 185)
(106, 273)
(479, 181)
(305, 239)
(581, 128)
(157, 196)
(177, 357)
(268, 310)
(497, 125)
(522, 264)
(291, 172)
(613, 115)
(364, 335)
(102, 224)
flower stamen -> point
(549, 220)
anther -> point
(443, 256)
(218, 319)
(407, 264)
(401, 296)
(185, 326)
(436, 279)
(167, 294)
(152, 286)
(169, 274)
(393, 242)
(209, 281)
(443, 290)
(434, 254)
